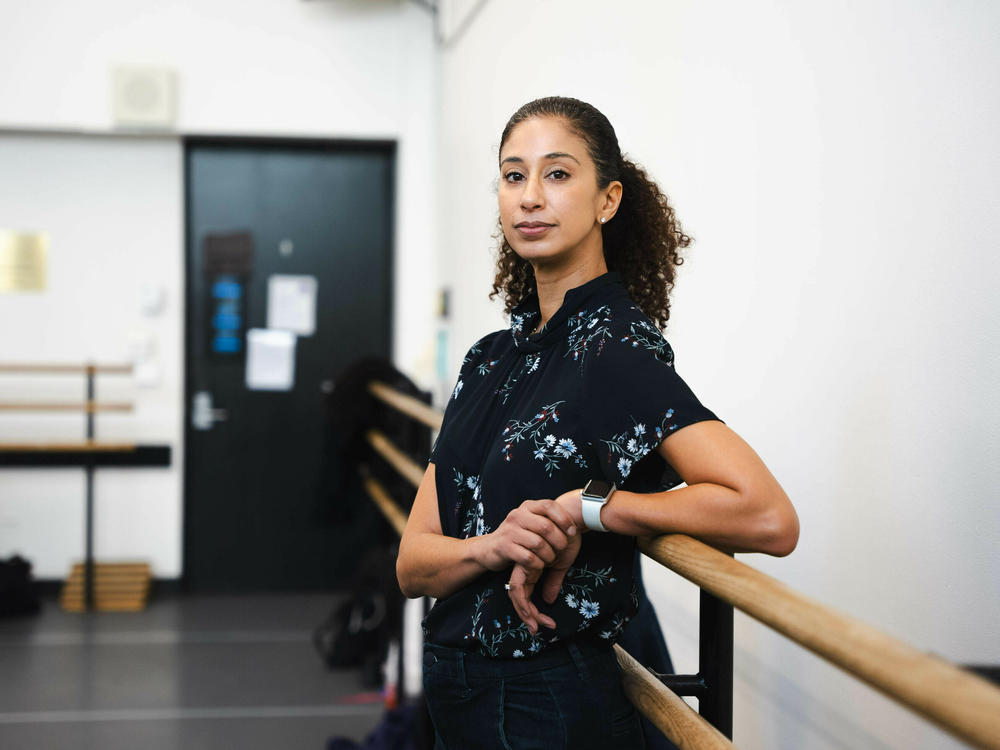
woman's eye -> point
(512, 176)
(559, 174)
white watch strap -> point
(591, 507)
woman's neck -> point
(553, 285)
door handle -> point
(203, 416)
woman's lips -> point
(533, 230)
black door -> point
(263, 218)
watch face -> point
(597, 488)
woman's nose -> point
(531, 195)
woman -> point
(535, 583)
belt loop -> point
(460, 662)
(581, 664)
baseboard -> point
(50, 588)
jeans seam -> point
(562, 719)
(503, 737)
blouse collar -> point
(525, 316)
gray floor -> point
(189, 672)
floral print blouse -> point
(591, 395)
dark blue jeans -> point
(567, 697)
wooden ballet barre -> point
(70, 447)
(406, 466)
(87, 407)
(408, 405)
(955, 699)
(392, 512)
(671, 715)
(57, 368)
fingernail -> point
(571, 531)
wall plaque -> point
(24, 261)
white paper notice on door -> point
(270, 360)
(291, 303)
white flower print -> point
(518, 321)
(589, 609)
(518, 653)
(548, 447)
(458, 388)
(472, 518)
(645, 334)
(566, 448)
(529, 365)
(588, 331)
(571, 601)
(630, 449)
(484, 368)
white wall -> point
(836, 164)
(264, 67)
(111, 209)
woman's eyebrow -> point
(553, 155)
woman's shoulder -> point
(485, 346)
(485, 353)
(632, 330)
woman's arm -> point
(732, 501)
(432, 564)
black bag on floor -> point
(18, 594)
(358, 631)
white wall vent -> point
(143, 97)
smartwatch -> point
(592, 499)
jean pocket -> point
(531, 716)
(626, 729)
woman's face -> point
(550, 205)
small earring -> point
(603, 220)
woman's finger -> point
(517, 590)
(560, 515)
(554, 511)
(536, 545)
(548, 529)
(521, 585)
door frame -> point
(188, 142)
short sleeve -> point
(472, 357)
(634, 399)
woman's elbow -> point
(777, 531)
(404, 577)
(781, 534)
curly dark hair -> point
(642, 241)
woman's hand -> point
(524, 579)
(531, 536)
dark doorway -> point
(260, 216)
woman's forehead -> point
(538, 137)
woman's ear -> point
(612, 199)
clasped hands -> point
(542, 539)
